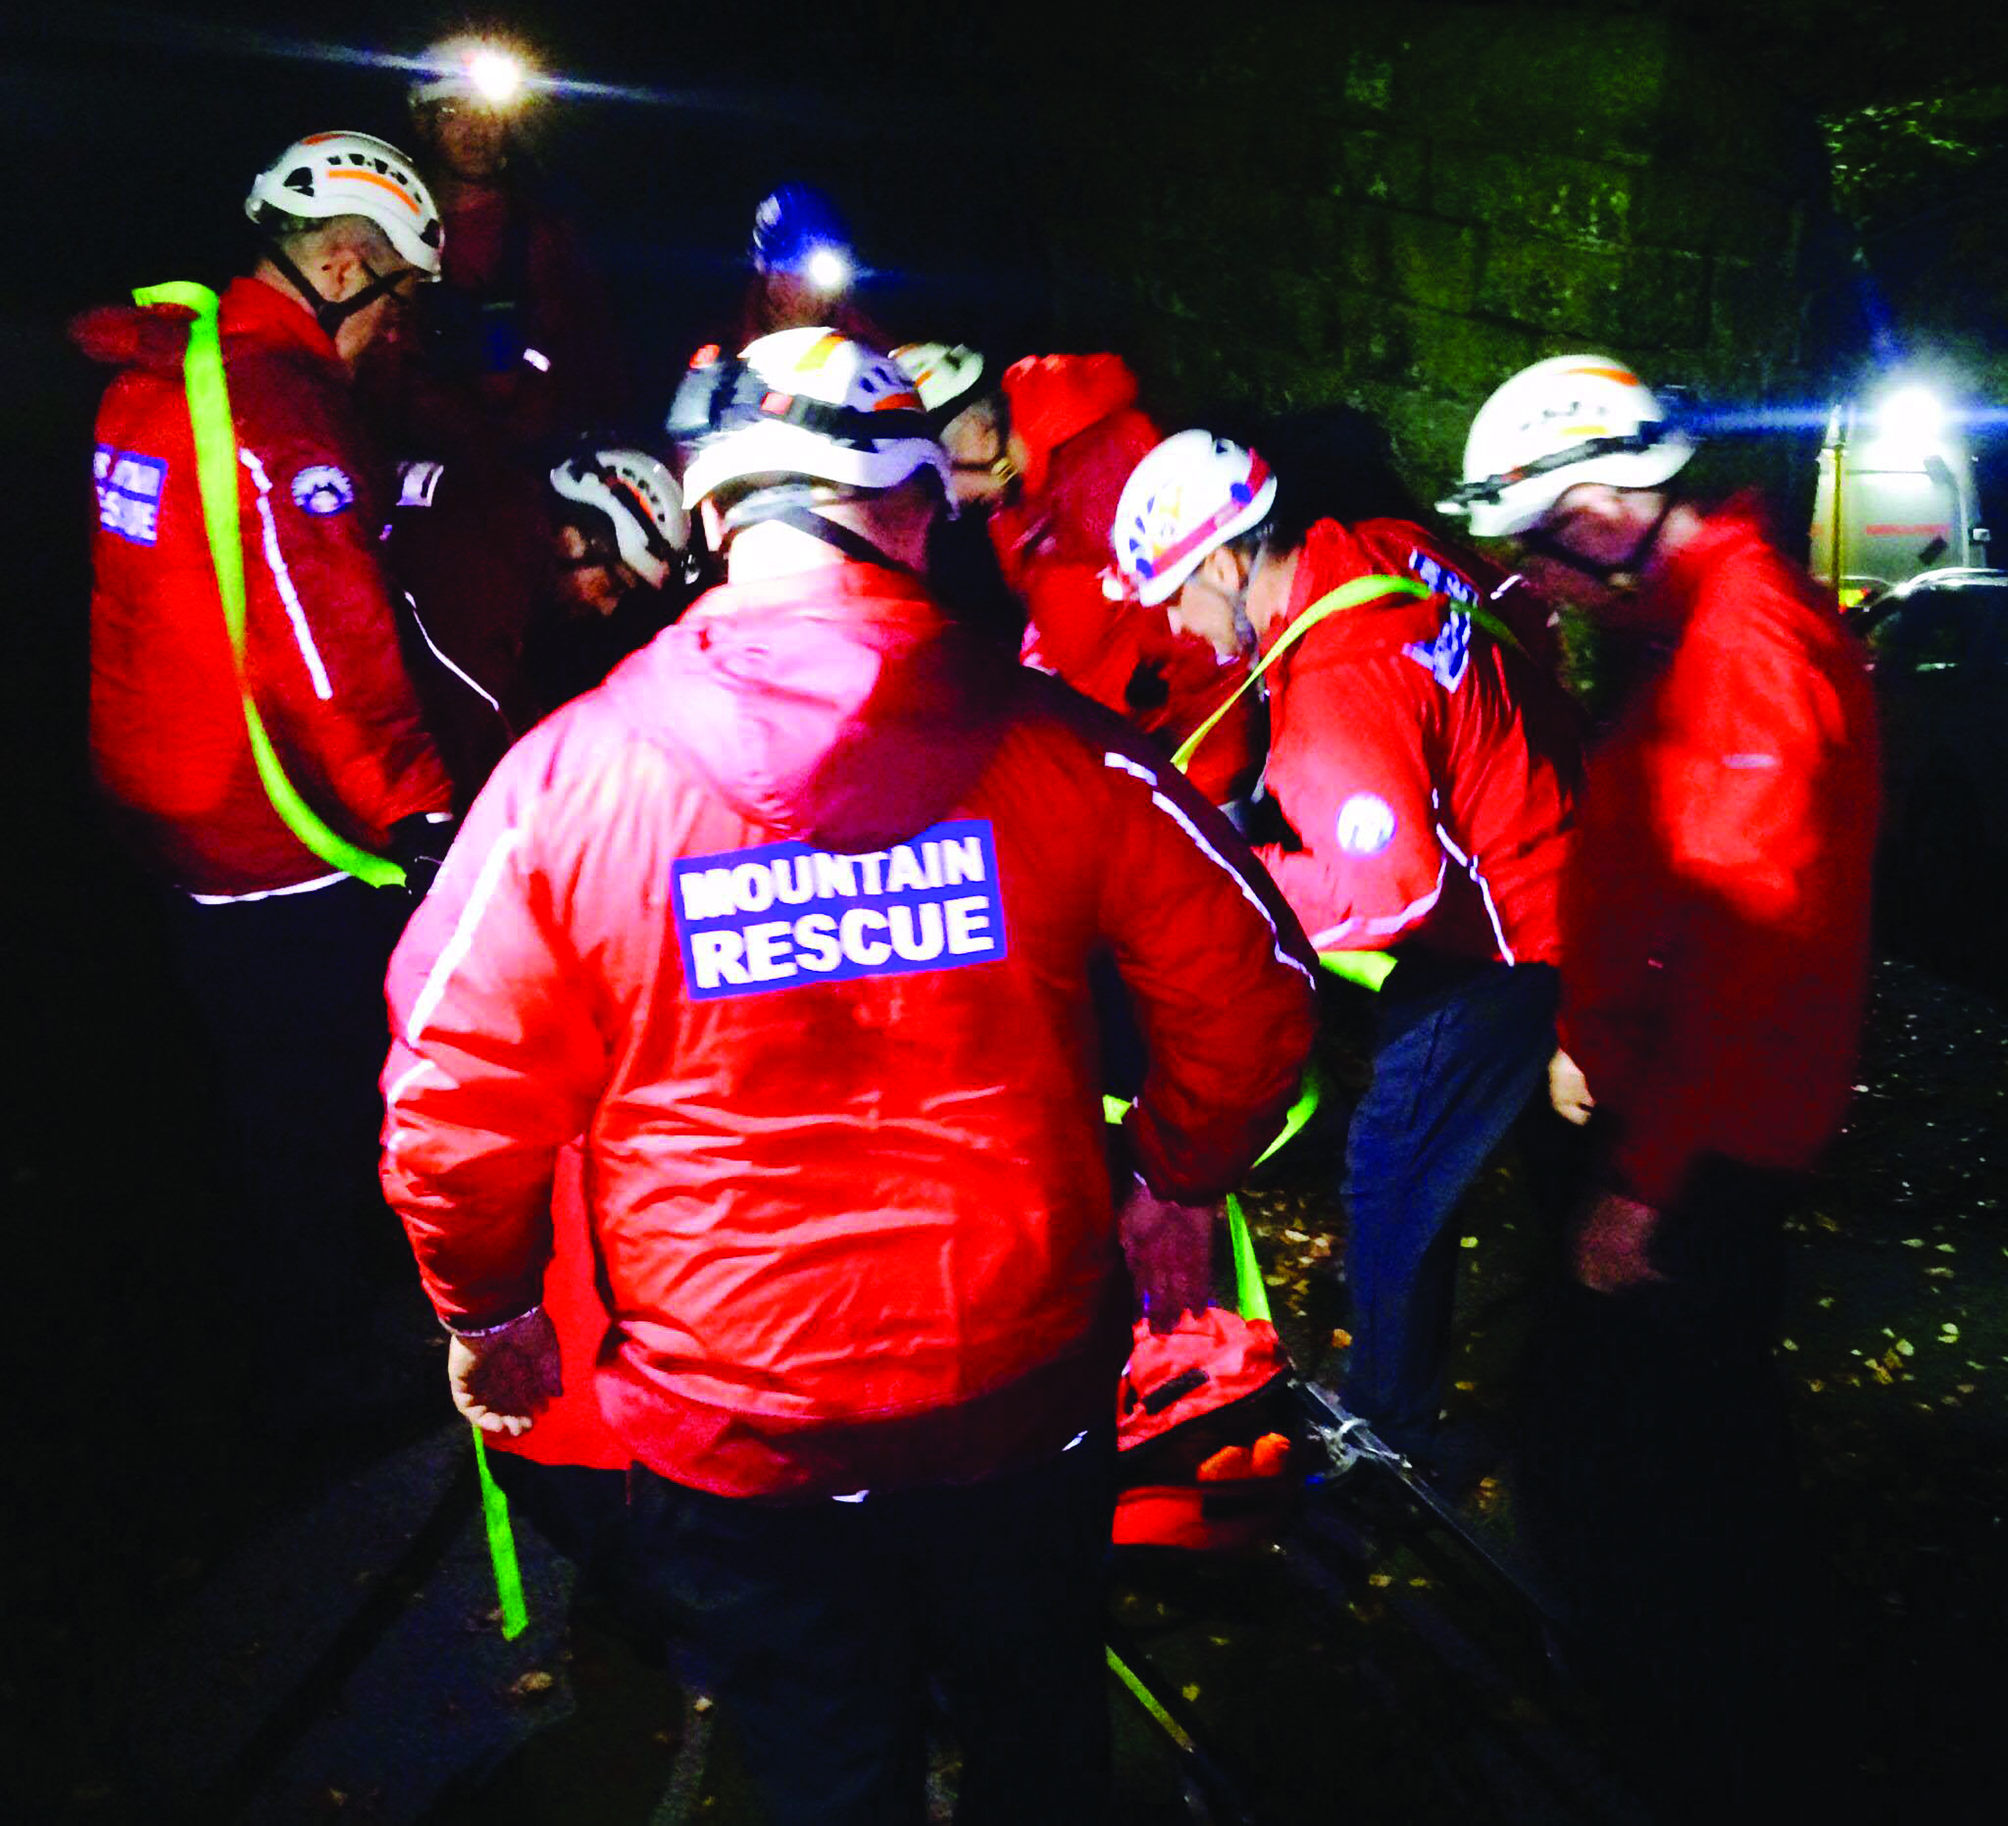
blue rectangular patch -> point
(783, 914)
(129, 489)
(1438, 576)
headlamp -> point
(496, 75)
(827, 269)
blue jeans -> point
(1458, 1052)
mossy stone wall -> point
(1396, 206)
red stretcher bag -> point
(1204, 1452)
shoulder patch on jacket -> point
(323, 489)
(781, 915)
(1434, 574)
(1448, 655)
(129, 489)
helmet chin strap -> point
(1622, 574)
(331, 313)
(795, 507)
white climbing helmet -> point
(351, 174)
(640, 499)
(1569, 419)
(943, 374)
(804, 403)
(1194, 492)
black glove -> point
(418, 845)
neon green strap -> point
(1150, 1702)
(1369, 969)
(501, 1547)
(216, 476)
(1251, 1295)
(1492, 625)
(1346, 596)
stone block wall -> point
(1396, 206)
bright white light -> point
(496, 75)
(1911, 416)
(828, 270)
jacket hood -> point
(155, 337)
(1057, 397)
(127, 336)
(837, 707)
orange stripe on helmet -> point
(820, 351)
(897, 402)
(1623, 376)
(382, 183)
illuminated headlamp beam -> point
(827, 270)
(496, 76)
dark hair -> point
(1330, 464)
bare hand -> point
(504, 1381)
(1569, 1090)
(1170, 1253)
(1613, 1247)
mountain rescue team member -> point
(969, 420)
(521, 593)
(792, 920)
(1074, 434)
(1427, 770)
(1337, 466)
(517, 345)
(1716, 930)
(284, 955)
(805, 268)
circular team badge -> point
(323, 489)
(1366, 825)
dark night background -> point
(1276, 207)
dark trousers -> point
(1656, 1484)
(819, 1624)
(291, 991)
(1458, 1052)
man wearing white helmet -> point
(1426, 770)
(284, 952)
(1715, 960)
(518, 344)
(793, 920)
(521, 593)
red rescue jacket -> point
(792, 920)
(1716, 910)
(1083, 435)
(1428, 772)
(167, 722)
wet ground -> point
(213, 1619)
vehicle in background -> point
(1939, 651)
(1896, 498)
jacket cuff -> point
(466, 1328)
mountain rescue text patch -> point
(783, 914)
(129, 488)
